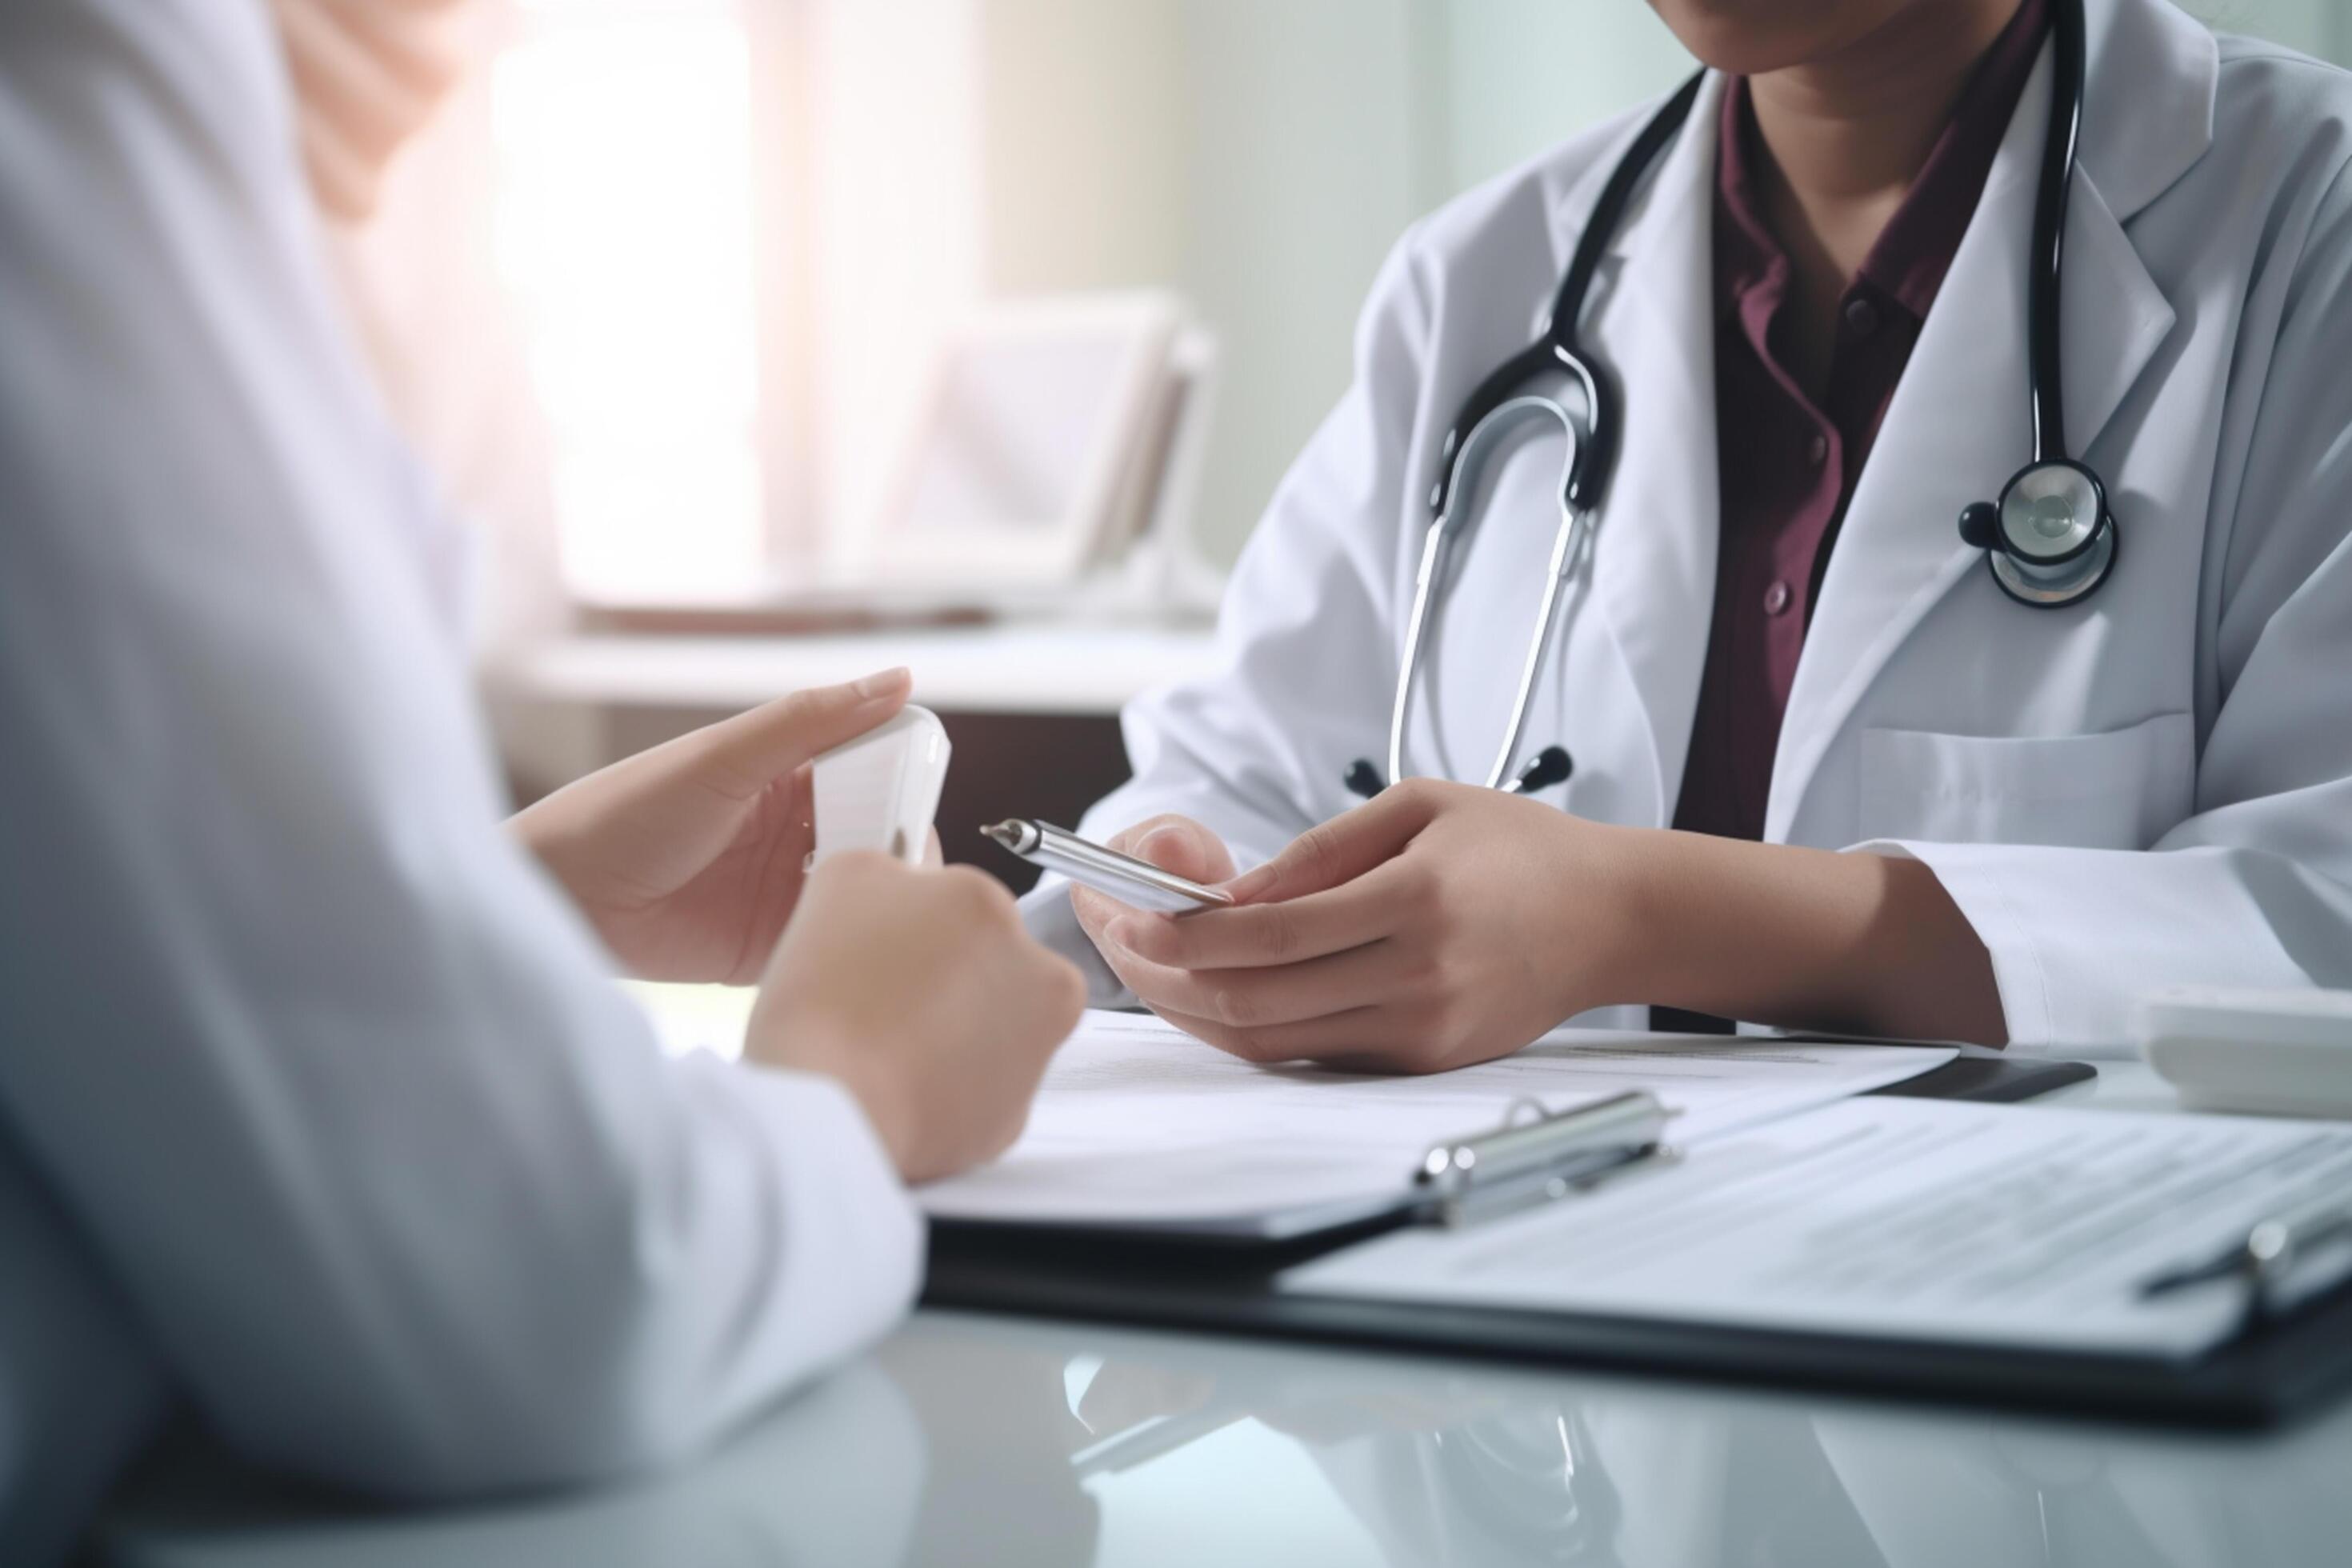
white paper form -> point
(1903, 1218)
(1140, 1125)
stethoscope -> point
(2048, 540)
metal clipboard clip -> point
(1539, 1158)
(2262, 1263)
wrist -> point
(1799, 937)
(800, 1043)
(1637, 876)
(1729, 927)
(887, 1113)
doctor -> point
(1830, 762)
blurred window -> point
(623, 131)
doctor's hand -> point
(1441, 924)
(1437, 925)
(687, 858)
(919, 990)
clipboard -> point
(2290, 1368)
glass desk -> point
(970, 1440)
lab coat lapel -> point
(1654, 552)
(1957, 426)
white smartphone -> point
(881, 789)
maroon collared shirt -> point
(1788, 463)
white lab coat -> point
(317, 1103)
(2151, 786)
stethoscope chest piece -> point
(2051, 539)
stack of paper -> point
(1141, 1127)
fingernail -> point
(883, 683)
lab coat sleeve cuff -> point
(2016, 931)
(852, 1239)
(1045, 910)
(2079, 937)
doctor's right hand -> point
(918, 989)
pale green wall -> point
(1523, 74)
(1307, 141)
(1257, 155)
(2320, 28)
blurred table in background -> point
(1033, 709)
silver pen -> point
(1131, 881)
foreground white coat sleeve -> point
(1246, 749)
(2255, 889)
(331, 1081)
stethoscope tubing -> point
(1467, 465)
(2044, 363)
(1497, 406)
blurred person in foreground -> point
(320, 1114)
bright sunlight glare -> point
(625, 223)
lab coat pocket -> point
(2123, 789)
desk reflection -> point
(968, 1440)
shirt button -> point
(1776, 598)
(1817, 450)
(1861, 318)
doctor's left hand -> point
(687, 858)
(1436, 925)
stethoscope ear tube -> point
(1495, 406)
(1558, 350)
(1468, 466)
